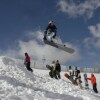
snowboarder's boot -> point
(45, 38)
(50, 73)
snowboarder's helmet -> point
(50, 22)
(53, 62)
(92, 74)
(57, 61)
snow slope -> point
(16, 83)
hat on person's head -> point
(92, 74)
(69, 67)
(26, 53)
(57, 61)
(53, 61)
(50, 22)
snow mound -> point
(16, 83)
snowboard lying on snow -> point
(71, 79)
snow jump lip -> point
(60, 46)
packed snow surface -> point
(16, 83)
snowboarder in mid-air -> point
(50, 31)
(50, 38)
(27, 62)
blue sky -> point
(77, 21)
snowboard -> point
(59, 46)
(50, 68)
(71, 79)
(86, 81)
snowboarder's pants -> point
(49, 34)
(79, 83)
(95, 88)
(53, 74)
(28, 67)
(50, 74)
(58, 74)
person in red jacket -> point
(27, 62)
(93, 82)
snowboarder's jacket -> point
(79, 76)
(27, 59)
(93, 79)
(58, 67)
(76, 73)
(52, 28)
(53, 66)
(71, 72)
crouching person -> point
(93, 82)
(52, 73)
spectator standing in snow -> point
(27, 62)
(71, 72)
(78, 77)
(93, 82)
(58, 69)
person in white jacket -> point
(53, 71)
(71, 72)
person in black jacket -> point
(58, 69)
(51, 31)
